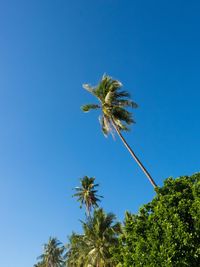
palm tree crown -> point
(115, 117)
(100, 235)
(87, 194)
(113, 103)
(53, 255)
(92, 248)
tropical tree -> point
(166, 231)
(87, 194)
(115, 117)
(53, 255)
(92, 248)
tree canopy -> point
(166, 231)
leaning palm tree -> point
(92, 248)
(87, 194)
(115, 117)
(53, 255)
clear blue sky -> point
(47, 50)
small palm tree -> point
(87, 194)
(53, 255)
(115, 117)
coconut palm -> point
(87, 194)
(92, 249)
(53, 255)
(115, 117)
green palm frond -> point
(126, 103)
(88, 107)
(122, 115)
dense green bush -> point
(166, 232)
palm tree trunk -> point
(134, 156)
(87, 210)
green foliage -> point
(92, 248)
(76, 251)
(166, 232)
(88, 107)
(113, 104)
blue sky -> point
(47, 50)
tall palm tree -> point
(87, 194)
(53, 255)
(100, 234)
(115, 117)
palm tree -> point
(86, 194)
(100, 234)
(53, 255)
(115, 117)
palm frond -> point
(88, 87)
(107, 126)
(123, 115)
(120, 94)
(104, 126)
(126, 103)
(88, 107)
(109, 97)
(120, 125)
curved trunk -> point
(134, 156)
